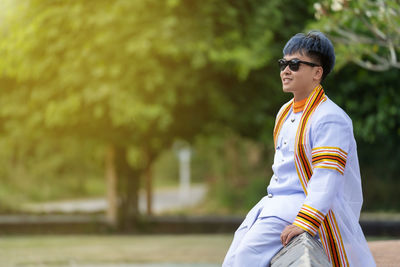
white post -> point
(184, 172)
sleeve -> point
(330, 143)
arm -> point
(330, 142)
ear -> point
(318, 73)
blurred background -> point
(131, 111)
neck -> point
(299, 96)
(300, 102)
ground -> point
(386, 252)
(142, 250)
(138, 251)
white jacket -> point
(316, 183)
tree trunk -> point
(149, 189)
(111, 182)
(123, 187)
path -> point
(163, 200)
(386, 252)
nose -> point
(286, 69)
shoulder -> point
(331, 127)
(284, 107)
(330, 112)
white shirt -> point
(285, 180)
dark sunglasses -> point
(294, 64)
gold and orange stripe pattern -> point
(281, 119)
(332, 241)
(309, 219)
(329, 158)
(302, 163)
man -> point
(316, 185)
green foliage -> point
(76, 76)
(35, 171)
(371, 100)
(136, 74)
(365, 32)
(126, 72)
(379, 170)
(166, 169)
(236, 170)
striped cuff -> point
(309, 219)
(329, 158)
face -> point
(304, 80)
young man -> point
(316, 185)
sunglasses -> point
(294, 64)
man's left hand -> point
(289, 232)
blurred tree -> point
(134, 75)
(33, 170)
(365, 32)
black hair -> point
(315, 45)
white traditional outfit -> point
(316, 186)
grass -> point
(86, 249)
(114, 250)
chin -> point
(286, 89)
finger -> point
(285, 240)
(289, 237)
(283, 235)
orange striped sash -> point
(281, 119)
(328, 231)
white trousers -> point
(256, 240)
